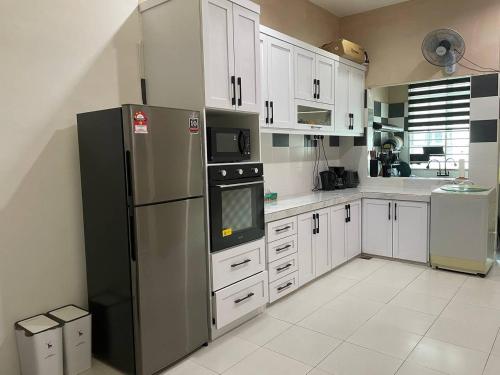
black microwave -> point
(226, 145)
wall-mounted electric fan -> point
(445, 48)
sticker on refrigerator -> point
(227, 232)
(140, 123)
(194, 125)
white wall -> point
(58, 58)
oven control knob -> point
(223, 172)
(239, 171)
(255, 170)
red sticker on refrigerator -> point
(140, 123)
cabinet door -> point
(264, 87)
(338, 234)
(325, 73)
(322, 250)
(356, 98)
(377, 227)
(410, 231)
(353, 230)
(246, 59)
(341, 99)
(280, 65)
(305, 249)
(218, 52)
(305, 67)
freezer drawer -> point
(237, 300)
(282, 267)
(171, 281)
(283, 286)
(237, 263)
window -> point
(438, 123)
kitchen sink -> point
(464, 188)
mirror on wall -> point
(419, 129)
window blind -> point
(439, 121)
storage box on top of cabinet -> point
(39, 343)
(77, 338)
(202, 54)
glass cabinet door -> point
(311, 115)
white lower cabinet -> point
(237, 300)
(345, 232)
(396, 229)
(313, 242)
(282, 267)
(283, 286)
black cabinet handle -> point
(233, 83)
(272, 112)
(314, 224)
(282, 229)
(244, 298)
(267, 112)
(351, 121)
(286, 286)
(284, 267)
(283, 248)
(317, 217)
(395, 211)
(389, 210)
(241, 263)
(319, 88)
(346, 214)
(349, 212)
(315, 92)
(240, 99)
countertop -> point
(298, 204)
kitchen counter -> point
(298, 204)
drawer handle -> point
(282, 229)
(244, 298)
(241, 263)
(283, 248)
(286, 286)
(284, 267)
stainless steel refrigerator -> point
(144, 226)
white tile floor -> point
(369, 317)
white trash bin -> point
(39, 342)
(76, 338)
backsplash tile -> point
(396, 109)
(281, 140)
(377, 110)
(360, 141)
(334, 141)
(484, 85)
(483, 131)
(309, 141)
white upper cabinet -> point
(305, 74)
(219, 54)
(410, 231)
(314, 77)
(231, 56)
(246, 59)
(325, 75)
(277, 83)
(349, 99)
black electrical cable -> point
(317, 155)
(324, 153)
(486, 69)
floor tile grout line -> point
(491, 351)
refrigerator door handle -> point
(128, 171)
(133, 244)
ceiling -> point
(343, 8)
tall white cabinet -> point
(202, 54)
(276, 83)
(397, 229)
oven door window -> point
(236, 215)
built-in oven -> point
(226, 145)
(236, 200)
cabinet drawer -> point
(281, 228)
(282, 267)
(237, 300)
(281, 248)
(237, 263)
(283, 286)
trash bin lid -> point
(68, 313)
(37, 324)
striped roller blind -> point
(439, 119)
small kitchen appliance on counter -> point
(328, 180)
(236, 196)
(463, 228)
